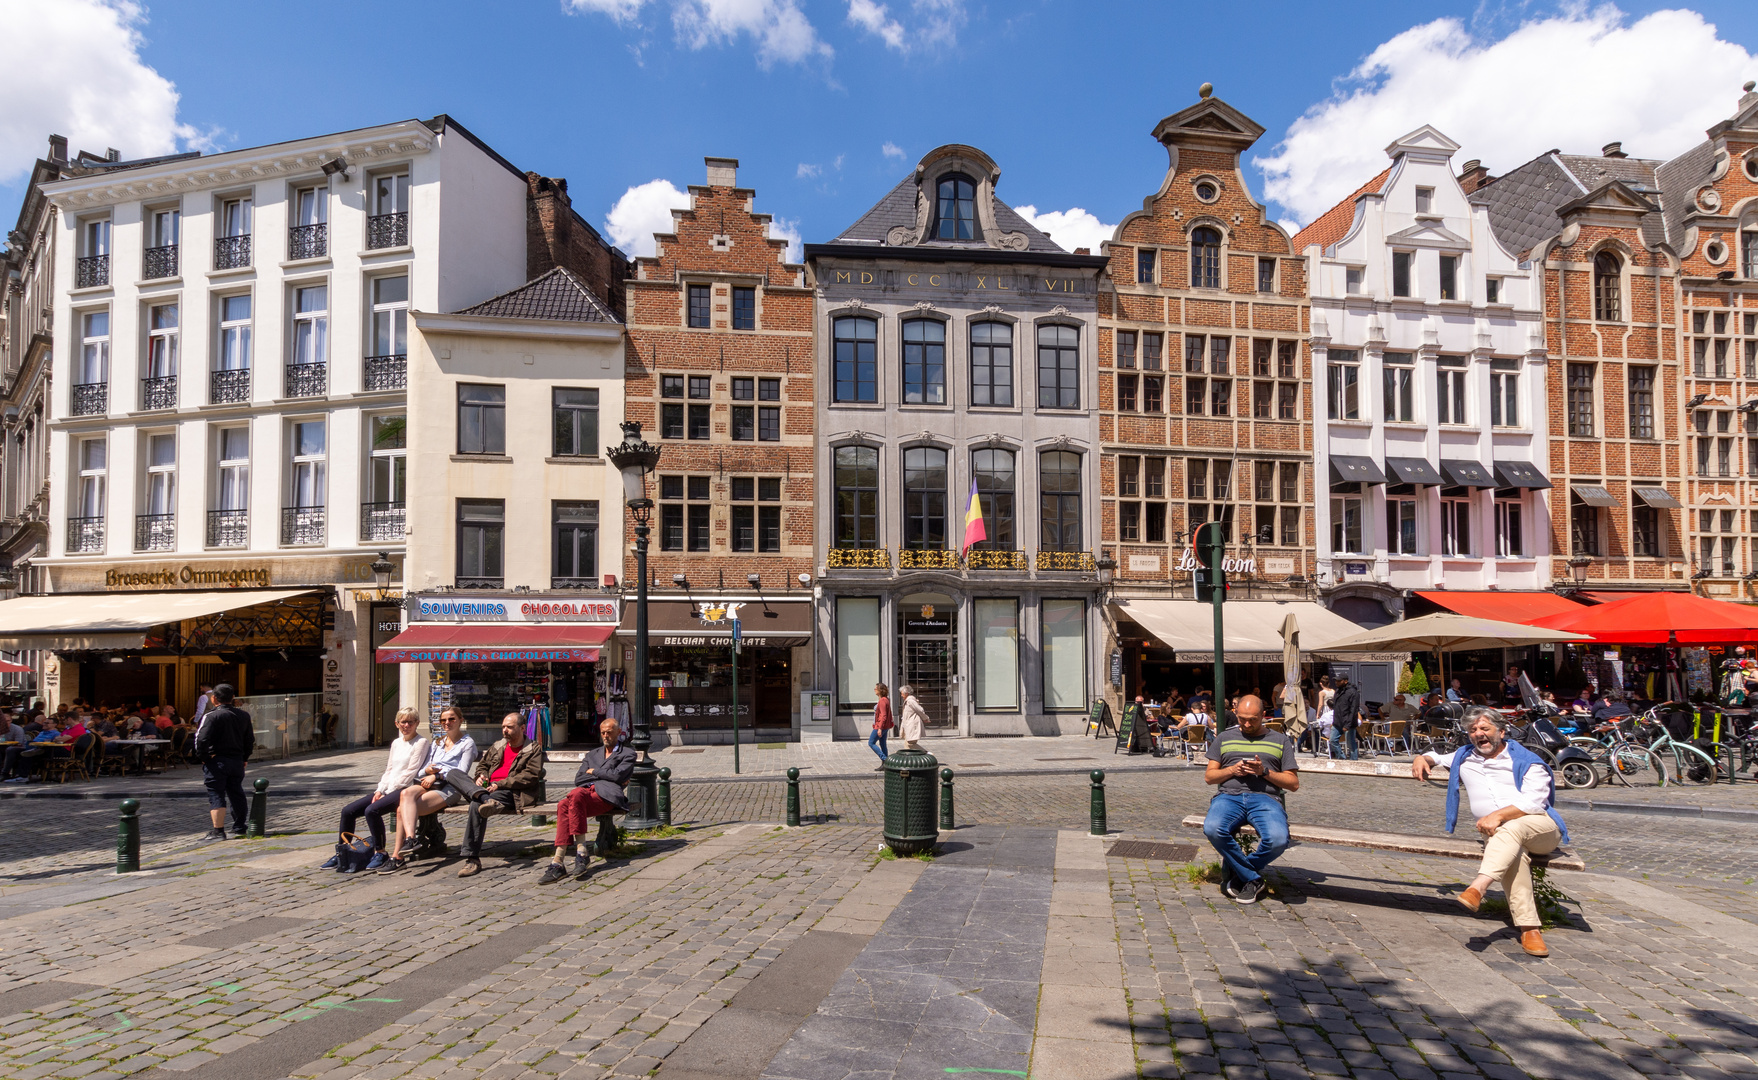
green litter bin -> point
(910, 783)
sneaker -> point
(1227, 888)
(332, 863)
(391, 866)
(215, 834)
(552, 873)
(378, 859)
(1249, 892)
(471, 868)
(582, 867)
(16, 780)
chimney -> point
(1083, 251)
(1474, 176)
(58, 148)
(1613, 149)
(722, 171)
(112, 154)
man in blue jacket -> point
(1512, 796)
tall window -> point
(162, 341)
(94, 348)
(234, 354)
(390, 316)
(1346, 525)
(1342, 384)
(482, 419)
(306, 479)
(701, 389)
(1126, 349)
(1401, 526)
(856, 343)
(684, 513)
(1059, 490)
(1289, 494)
(996, 653)
(97, 238)
(1644, 530)
(310, 207)
(1266, 275)
(390, 448)
(576, 422)
(756, 527)
(311, 325)
(1748, 253)
(1058, 367)
(1608, 296)
(1150, 351)
(1450, 389)
(700, 313)
(1580, 390)
(1126, 392)
(1063, 634)
(857, 497)
(390, 194)
(575, 542)
(958, 209)
(924, 362)
(1153, 393)
(1401, 261)
(1510, 534)
(1205, 258)
(1449, 277)
(924, 498)
(164, 229)
(1144, 265)
(993, 472)
(1583, 525)
(858, 654)
(1642, 403)
(232, 492)
(161, 475)
(1456, 527)
(481, 523)
(1504, 392)
(1400, 379)
(94, 461)
(234, 217)
(744, 307)
(992, 363)
(1209, 487)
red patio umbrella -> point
(1661, 618)
(14, 669)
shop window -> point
(924, 362)
(924, 498)
(856, 483)
(575, 533)
(1059, 491)
(993, 472)
(684, 513)
(481, 524)
(992, 363)
(857, 651)
(997, 654)
(576, 422)
(1058, 367)
(1063, 634)
(482, 419)
(744, 308)
(856, 345)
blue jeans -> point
(876, 743)
(1266, 815)
(1349, 740)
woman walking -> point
(915, 718)
(882, 724)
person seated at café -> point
(1609, 711)
(15, 735)
(1398, 709)
(453, 751)
(1480, 701)
(52, 742)
(507, 779)
(1583, 702)
(165, 720)
(599, 790)
(1511, 686)
(1175, 700)
(408, 751)
(1456, 692)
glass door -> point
(928, 665)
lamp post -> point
(382, 568)
(635, 458)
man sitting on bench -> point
(1252, 766)
(508, 779)
(598, 791)
(1512, 795)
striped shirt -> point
(1272, 748)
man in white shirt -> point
(1511, 793)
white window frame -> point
(1344, 510)
(311, 206)
(1397, 508)
(386, 183)
(1510, 522)
(159, 491)
(306, 488)
(162, 341)
(311, 329)
(396, 478)
(233, 218)
(1399, 386)
(94, 348)
(1504, 393)
(95, 237)
(1450, 391)
(164, 227)
(390, 319)
(1456, 542)
(234, 338)
(91, 488)
(1343, 385)
(231, 474)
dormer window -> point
(1425, 200)
(1608, 301)
(958, 209)
(1205, 258)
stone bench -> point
(1446, 847)
(542, 813)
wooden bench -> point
(1446, 847)
(541, 813)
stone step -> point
(1447, 847)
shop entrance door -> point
(387, 623)
(928, 666)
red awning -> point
(7, 668)
(492, 643)
(1662, 618)
(1514, 607)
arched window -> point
(1749, 241)
(991, 364)
(924, 362)
(1608, 288)
(1058, 367)
(1059, 492)
(958, 209)
(1205, 258)
(993, 472)
(857, 359)
(857, 497)
(924, 498)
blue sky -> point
(616, 94)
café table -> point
(138, 748)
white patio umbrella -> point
(1293, 704)
(1445, 632)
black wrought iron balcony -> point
(155, 532)
(160, 262)
(381, 521)
(573, 583)
(308, 241)
(231, 252)
(91, 399)
(307, 380)
(85, 535)
(302, 526)
(387, 372)
(91, 271)
(228, 528)
(481, 582)
(159, 392)
(387, 230)
(228, 387)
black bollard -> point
(946, 819)
(665, 796)
(259, 812)
(128, 838)
(793, 798)
(1099, 802)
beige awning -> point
(71, 622)
(1252, 629)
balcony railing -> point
(302, 526)
(978, 559)
(307, 380)
(859, 558)
(919, 559)
(91, 271)
(481, 582)
(227, 387)
(159, 392)
(85, 535)
(387, 230)
(387, 372)
(228, 528)
(231, 252)
(160, 262)
(91, 399)
(155, 532)
(381, 521)
(308, 241)
(1074, 561)
(573, 583)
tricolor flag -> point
(974, 533)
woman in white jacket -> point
(408, 754)
(915, 718)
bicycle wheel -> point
(1692, 764)
(1635, 766)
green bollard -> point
(946, 820)
(128, 838)
(1099, 802)
(259, 812)
(665, 796)
(793, 798)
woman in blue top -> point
(430, 793)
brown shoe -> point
(1471, 898)
(1533, 942)
(470, 868)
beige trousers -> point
(1507, 858)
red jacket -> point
(882, 715)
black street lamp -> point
(382, 569)
(635, 458)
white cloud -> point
(932, 23)
(808, 172)
(620, 10)
(784, 229)
(643, 210)
(1654, 84)
(892, 150)
(781, 30)
(872, 18)
(53, 84)
(1071, 229)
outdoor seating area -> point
(76, 744)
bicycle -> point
(1689, 761)
(1624, 759)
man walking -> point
(1252, 766)
(1346, 715)
(203, 700)
(1512, 796)
(224, 743)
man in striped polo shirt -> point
(1251, 766)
